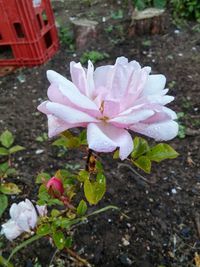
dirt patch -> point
(162, 226)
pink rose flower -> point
(109, 101)
(55, 187)
(23, 219)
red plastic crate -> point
(28, 35)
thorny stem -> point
(88, 159)
(67, 203)
(78, 258)
(133, 170)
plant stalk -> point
(5, 263)
(77, 257)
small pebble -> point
(177, 31)
(128, 225)
(124, 259)
(39, 151)
(174, 191)
(125, 242)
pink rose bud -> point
(55, 187)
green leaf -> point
(55, 213)
(4, 203)
(116, 154)
(6, 171)
(83, 137)
(7, 138)
(4, 167)
(82, 208)
(83, 175)
(9, 189)
(89, 191)
(159, 3)
(59, 239)
(43, 195)
(15, 149)
(3, 151)
(41, 177)
(60, 142)
(67, 134)
(54, 201)
(181, 131)
(74, 142)
(140, 147)
(71, 141)
(67, 142)
(94, 191)
(44, 229)
(68, 242)
(143, 163)
(99, 167)
(11, 171)
(65, 223)
(161, 152)
(140, 4)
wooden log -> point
(148, 21)
(85, 31)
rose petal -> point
(11, 230)
(106, 138)
(154, 84)
(42, 210)
(68, 114)
(78, 75)
(14, 211)
(22, 222)
(70, 91)
(55, 95)
(57, 126)
(131, 118)
(90, 80)
(159, 131)
(111, 108)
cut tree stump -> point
(148, 21)
(85, 31)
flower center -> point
(103, 118)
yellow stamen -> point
(102, 107)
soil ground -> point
(163, 228)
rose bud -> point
(55, 187)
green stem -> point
(5, 263)
(102, 210)
(22, 245)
